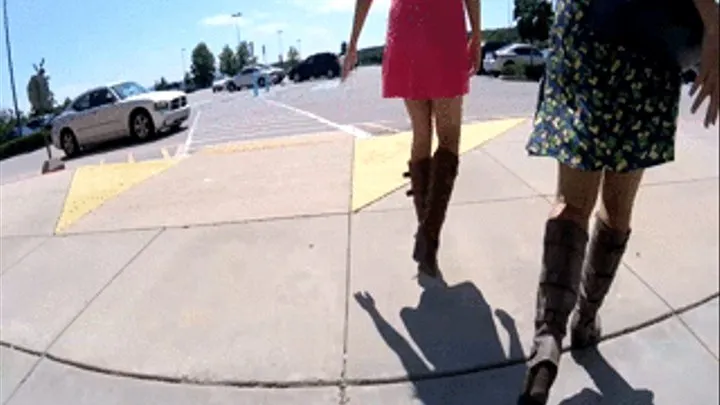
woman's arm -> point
(708, 10)
(473, 10)
(361, 11)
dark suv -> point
(324, 64)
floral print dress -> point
(603, 107)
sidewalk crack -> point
(44, 354)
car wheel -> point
(231, 87)
(296, 77)
(330, 74)
(69, 143)
(141, 125)
(261, 82)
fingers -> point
(699, 98)
(712, 111)
(695, 85)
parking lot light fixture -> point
(237, 16)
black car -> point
(324, 64)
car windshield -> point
(128, 89)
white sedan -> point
(115, 111)
(247, 77)
(512, 55)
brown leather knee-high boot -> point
(443, 173)
(419, 174)
(564, 250)
(605, 252)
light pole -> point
(280, 53)
(510, 13)
(11, 70)
(237, 16)
(299, 45)
(182, 57)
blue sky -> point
(90, 42)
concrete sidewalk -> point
(280, 273)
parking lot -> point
(355, 107)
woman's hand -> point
(474, 51)
(707, 80)
(349, 61)
(365, 300)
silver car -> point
(512, 55)
(247, 76)
(110, 112)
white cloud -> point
(224, 20)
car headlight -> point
(162, 105)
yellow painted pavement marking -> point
(94, 185)
(273, 143)
(131, 158)
(380, 127)
(380, 161)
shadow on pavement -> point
(453, 327)
(613, 387)
(121, 143)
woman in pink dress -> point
(428, 61)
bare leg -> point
(420, 112)
(448, 122)
(618, 198)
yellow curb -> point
(273, 143)
(380, 161)
(93, 185)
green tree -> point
(61, 107)
(203, 66)
(533, 18)
(39, 95)
(161, 84)
(228, 64)
(293, 56)
(501, 35)
(242, 55)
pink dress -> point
(426, 53)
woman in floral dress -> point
(606, 114)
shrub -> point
(521, 70)
(25, 144)
(513, 70)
